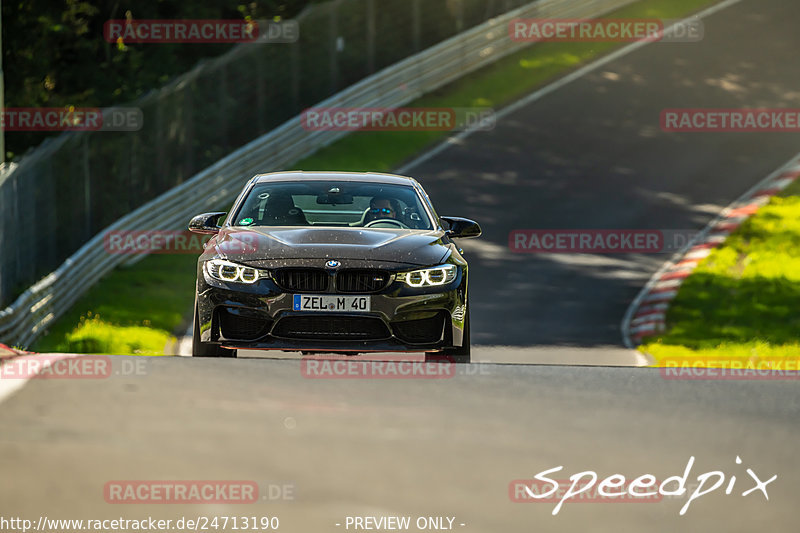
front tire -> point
(204, 349)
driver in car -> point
(381, 207)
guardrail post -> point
(295, 66)
(334, 46)
(158, 168)
(188, 109)
(15, 213)
(221, 111)
(3, 240)
(416, 30)
(87, 188)
(261, 90)
(370, 36)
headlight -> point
(233, 273)
(428, 277)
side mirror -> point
(457, 227)
(207, 223)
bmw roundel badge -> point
(333, 264)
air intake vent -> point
(234, 326)
(331, 328)
(423, 331)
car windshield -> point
(333, 204)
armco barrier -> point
(39, 305)
(74, 185)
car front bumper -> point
(261, 316)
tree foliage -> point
(55, 54)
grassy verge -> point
(493, 86)
(137, 309)
(132, 311)
(741, 303)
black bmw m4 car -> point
(332, 262)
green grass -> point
(133, 310)
(137, 309)
(741, 303)
(94, 335)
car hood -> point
(257, 245)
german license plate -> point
(331, 303)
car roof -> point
(369, 177)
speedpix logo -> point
(616, 488)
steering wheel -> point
(390, 221)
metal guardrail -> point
(42, 303)
(75, 184)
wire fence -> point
(56, 198)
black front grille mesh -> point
(423, 331)
(361, 281)
(238, 327)
(297, 279)
(353, 281)
(331, 328)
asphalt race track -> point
(588, 155)
(592, 156)
(443, 447)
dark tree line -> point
(55, 54)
